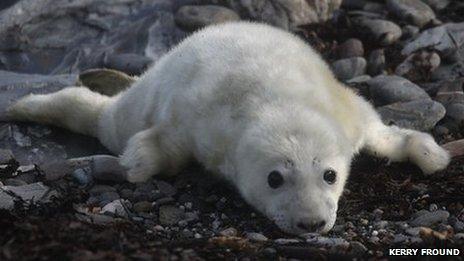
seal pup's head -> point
(292, 166)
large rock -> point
(411, 11)
(36, 193)
(381, 31)
(349, 68)
(390, 89)
(419, 115)
(193, 17)
(287, 14)
(446, 39)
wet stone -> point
(430, 218)
(390, 89)
(349, 68)
(418, 114)
(170, 215)
(256, 237)
(350, 48)
(194, 17)
(143, 206)
(412, 11)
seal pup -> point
(254, 104)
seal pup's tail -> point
(75, 108)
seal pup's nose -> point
(311, 226)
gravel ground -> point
(410, 67)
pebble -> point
(386, 89)
(349, 68)
(437, 4)
(433, 207)
(193, 17)
(116, 208)
(458, 226)
(409, 31)
(5, 156)
(256, 237)
(399, 238)
(143, 206)
(286, 241)
(350, 48)
(420, 115)
(376, 62)
(429, 218)
(418, 65)
(459, 236)
(14, 182)
(381, 31)
(413, 231)
(106, 81)
(146, 192)
(170, 215)
(269, 252)
(357, 248)
(327, 241)
(228, 232)
(99, 189)
(166, 188)
(441, 39)
(126, 193)
(411, 11)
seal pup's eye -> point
(330, 176)
(275, 179)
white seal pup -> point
(251, 102)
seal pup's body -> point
(250, 102)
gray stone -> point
(419, 114)
(349, 68)
(5, 156)
(256, 237)
(193, 17)
(413, 231)
(411, 11)
(146, 192)
(450, 92)
(381, 31)
(455, 111)
(448, 72)
(357, 248)
(409, 31)
(446, 39)
(326, 241)
(143, 206)
(14, 182)
(418, 65)
(288, 14)
(400, 238)
(391, 89)
(100, 189)
(286, 241)
(437, 4)
(376, 62)
(105, 81)
(166, 188)
(115, 208)
(458, 226)
(36, 193)
(350, 48)
(228, 232)
(170, 215)
(429, 218)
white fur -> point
(243, 99)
